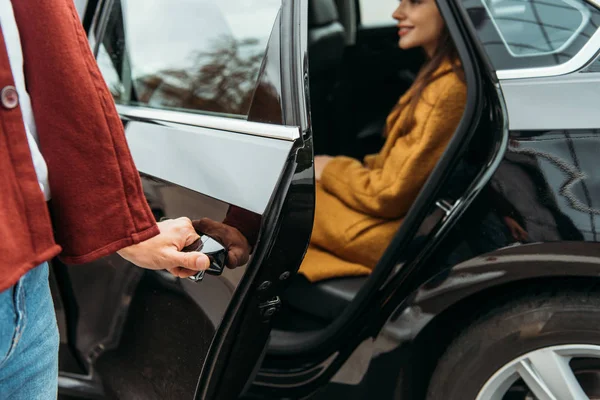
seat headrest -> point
(321, 12)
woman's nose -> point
(399, 12)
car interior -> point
(356, 75)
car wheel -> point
(543, 347)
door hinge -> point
(269, 308)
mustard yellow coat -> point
(359, 206)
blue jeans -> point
(28, 339)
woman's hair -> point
(444, 51)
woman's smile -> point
(404, 29)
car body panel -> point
(382, 365)
(564, 102)
(547, 183)
(249, 167)
(512, 264)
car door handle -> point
(216, 252)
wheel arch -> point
(444, 305)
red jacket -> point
(98, 205)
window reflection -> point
(532, 33)
(549, 26)
(201, 55)
(220, 80)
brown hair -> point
(444, 51)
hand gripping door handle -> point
(216, 252)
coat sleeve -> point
(98, 203)
(388, 192)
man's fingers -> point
(181, 272)
(193, 260)
(191, 238)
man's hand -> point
(164, 250)
(238, 249)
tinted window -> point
(532, 33)
(200, 55)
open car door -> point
(211, 94)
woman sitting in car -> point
(359, 206)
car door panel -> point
(236, 168)
(553, 102)
(146, 334)
(547, 178)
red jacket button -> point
(9, 97)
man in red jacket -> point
(69, 187)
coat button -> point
(9, 97)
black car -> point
(489, 290)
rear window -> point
(535, 33)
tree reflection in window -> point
(220, 81)
(182, 55)
(532, 33)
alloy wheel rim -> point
(546, 372)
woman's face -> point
(420, 24)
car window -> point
(197, 55)
(535, 33)
(375, 13)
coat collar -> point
(444, 68)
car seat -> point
(326, 43)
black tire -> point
(505, 333)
